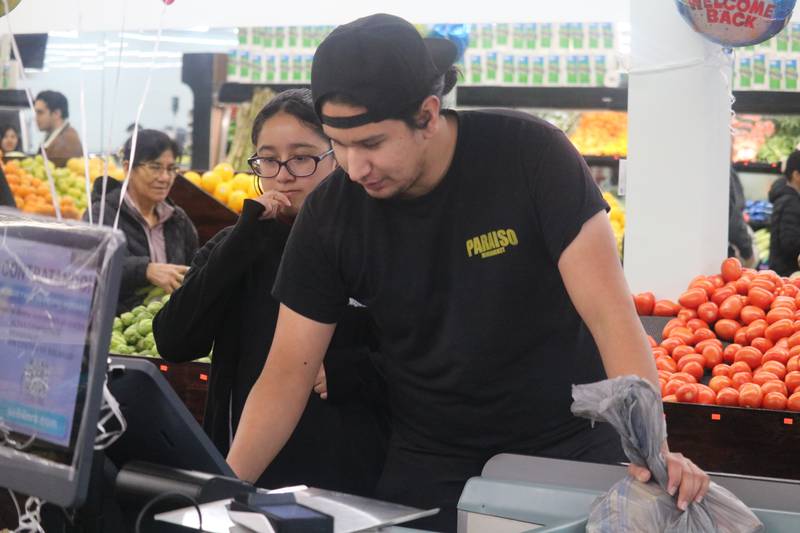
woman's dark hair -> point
(150, 144)
(295, 102)
(4, 129)
(440, 87)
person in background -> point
(52, 117)
(161, 240)
(225, 302)
(784, 246)
(10, 142)
(740, 243)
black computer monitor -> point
(59, 284)
(161, 430)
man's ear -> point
(428, 114)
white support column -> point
(679, 153)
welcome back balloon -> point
(733, 23)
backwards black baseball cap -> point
(380, 62)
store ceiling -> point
(99, 50)
(36, 16)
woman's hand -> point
(167, 276)
(272, 201)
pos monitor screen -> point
(58, 290)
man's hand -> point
(683, 474)
(167, 276)
(603, 299)
(321, 383)
(273, 201)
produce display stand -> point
(761, 168)
(206, 212)
(733, 440)
(190, 381)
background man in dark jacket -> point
(784, 245)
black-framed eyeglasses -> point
(299, 166)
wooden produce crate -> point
(735, 440)
(206, 212)
(732, 440)
(189, 380)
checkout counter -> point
(514, 494)
(517, 494)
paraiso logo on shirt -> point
(492, 243)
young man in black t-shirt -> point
(480, 245)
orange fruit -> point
(222, 191)
(252, 192)
(69, 212)
(236, 200)
(209, 181)
(225, 171)
(44, 209)
(32, 199)
(194, 177)
(242, 182)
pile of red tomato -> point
(757, 313)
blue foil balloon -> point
(458, 33)
(733, 23)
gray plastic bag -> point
(634, 408)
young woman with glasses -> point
(226, 303)
(161, 240)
